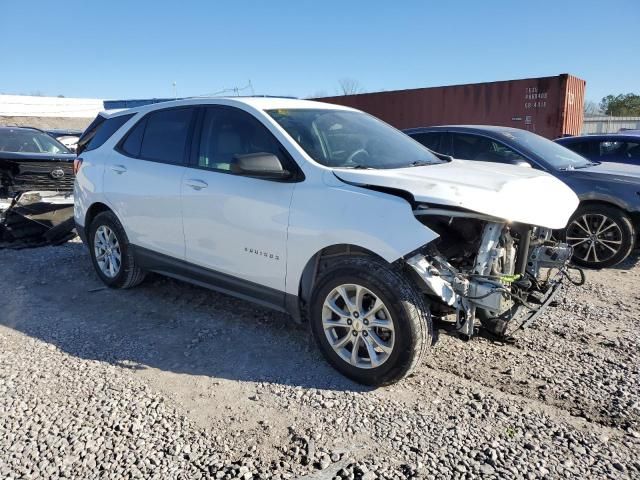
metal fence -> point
(605, 124)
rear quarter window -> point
(103, 131)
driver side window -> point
(227, 132)
(475, 147)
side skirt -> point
(220, 282)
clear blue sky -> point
(136, 49)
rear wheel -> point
(601, 236)
(369, 321)
(111, 253)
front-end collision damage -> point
(482, 267)
(36, 218)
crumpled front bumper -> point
(34, 219)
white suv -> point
(323, 212)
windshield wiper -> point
(420, 163)
(356, 167)
(590, 163)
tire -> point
(128, 274)
(616, 233)
(396, 353)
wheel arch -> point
(320, 260)
(634, 216)
(93, 211)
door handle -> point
(119, 169)
(197, 184)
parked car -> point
(603, 230)
(36, 188)
(68, 137)
(613, 147)
(323, 212)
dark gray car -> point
(603, 231)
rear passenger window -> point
(165, 135)
(104, 130)
(160, 136)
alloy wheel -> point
(107, 251)
(358, 326)
(594, 237)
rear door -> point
(142, 179)
(236, 225)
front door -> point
(233, 224)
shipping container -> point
(549, 106)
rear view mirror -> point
(259, 165)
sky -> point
(117, 49)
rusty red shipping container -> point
(549, 106)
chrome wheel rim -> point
(594, 237)
(358, 326)
(107, 251)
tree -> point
(318, 94)
(349, 86)
(591, 108)
(623, 105)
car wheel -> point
(369, 322)
(111, 253)
(601, 236)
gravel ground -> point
(172, 381)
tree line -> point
(622, 105)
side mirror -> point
(259, 165)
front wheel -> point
(369, 322)
(601, 236)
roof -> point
(485, 128)
(258, 103)
(19, 127)
(602, 136)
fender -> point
(328, 212)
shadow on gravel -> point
(630, 262)
(163, 324)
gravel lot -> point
(173, 381)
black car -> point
(36, 187)
(603, 231)
(613, 147)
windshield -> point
(347, 139)
(29, 141)
(557, 156)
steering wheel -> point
(359, 151)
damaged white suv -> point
(323, 212)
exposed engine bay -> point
(504, 274)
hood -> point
(37, 157)
(509, 192)
(610, 171)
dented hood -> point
(509, 192)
